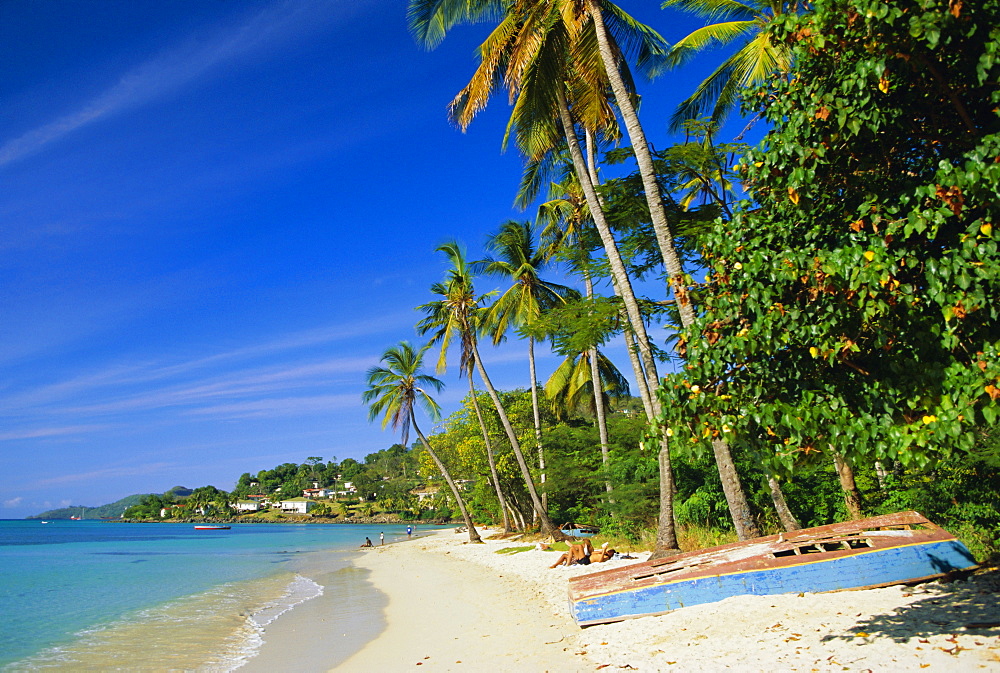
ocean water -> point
(103, 596)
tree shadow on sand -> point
(967, 606)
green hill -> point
(112, 510)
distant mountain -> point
(113, 510)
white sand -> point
(454, 606)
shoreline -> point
(452, 606)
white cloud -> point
(112, 472)
(171, 70)
(37, 433)
(13, 502)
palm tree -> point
(392, 392)
(517, 259)
(759, 56)
(573, 385)
(456, 314)
(536, 51)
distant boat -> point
(902, 548)
(211, 527)
(45, 522)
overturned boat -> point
(902, 548)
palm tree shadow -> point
(945, 608)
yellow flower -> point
(869, 255)
(813, 351)
(929, 419)
(695, 389)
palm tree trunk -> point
(788, 520)
(852, 496)
(595, 382)
(640, 379)
(735, 496)
(618, 272)
(538, 421)
(667, 536)
(548, 528)
(739, 508)
(601, 418)
(473, 533)
(489, 455)
(644, 159)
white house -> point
(425, 493)
(297, 505)
(246, 506)
(317, 492)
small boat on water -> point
(207, 527)
(902, 548)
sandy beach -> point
(452, 606)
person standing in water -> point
(381, 539)
(409, 531)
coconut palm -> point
(537, 50)
(734, 21)
(393, 391)
(456, 286)
(518, 260)
(457, 314)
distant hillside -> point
(113, 510)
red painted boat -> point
(902, 548)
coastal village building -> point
(425, 492)
(247, 506)
(297, 505)
(317, 492)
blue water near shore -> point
(92, 595)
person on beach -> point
(577, 553)
(368, 542)
(584, 554)
(602, 554)
(381, 539)
(409, 531)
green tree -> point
(853, 306)
(758, 57)
(392, 392)
(457, 314)
(517, 259)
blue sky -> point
(214, 217)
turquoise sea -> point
(102, 596)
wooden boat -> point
(579, 530)
(211, 527)
(902, 548)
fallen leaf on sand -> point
(861, 634)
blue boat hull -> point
(861, 569)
